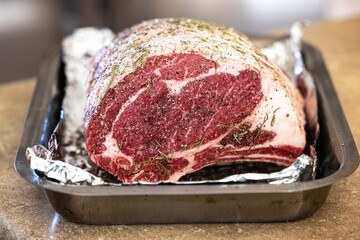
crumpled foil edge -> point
(41, 160)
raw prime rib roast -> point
(170, 96)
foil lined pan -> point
(41, 160)
(67, 144)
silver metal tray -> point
(337, 152)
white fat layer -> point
(281, 116)
(260, 156)
(189, 168)
(175, 86)
(192, 151)
(113, 150)
(280, 163)
(128, 102)
(231, 67)
(137, 174)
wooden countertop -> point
(26, 214)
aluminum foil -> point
(286, 53)
(41, 160)
(67, 162)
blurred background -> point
(28, 28)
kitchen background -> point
(28, 28)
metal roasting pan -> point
(206, 203)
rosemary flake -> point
(126, 65)
(207, 68)
(164, 156)
(238, 49)
(262, 124)
(273, 117)
(198, 144)
(120, 146)
(236, 139)
(158, 143)
(227, 126)
(183, 147)
(222, 125)
(172, 155)
(141, 58)
(137, 171)
(257, 60)
(160, 166)
(113, 73)
(250, 147)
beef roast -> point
(171, 96)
